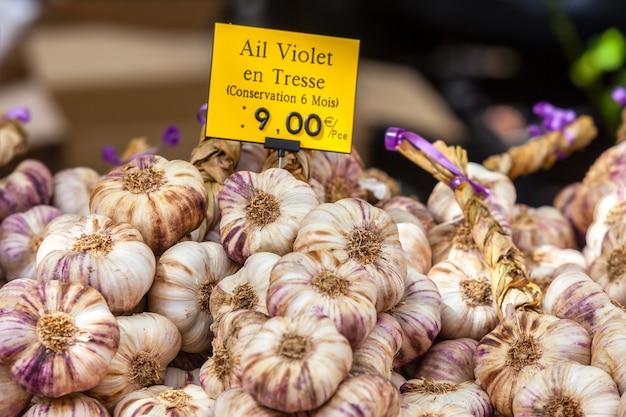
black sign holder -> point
(282, 145)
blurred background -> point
(102, 72)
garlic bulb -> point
(380, 185)
(20, 236)
(563, 389)
(297, 163)
(148, 343)
(318, 282)
(98, 251)
(75, 404)
(451, 360)
(362, 395)
(608, 348)
(165, 200)
(542, 262)
(522, 344)
(186, 274)
(11, 292)
(236, 402)
(164, 401)
(377, 352)
(467, 394)
(72, 189)
(252, 157)
(336, 175)
(609, 268)
(419, 316)
(28, 185)
(233, 330)
(246, 288)
(58, 338)
(357, 232)
(177, 378)
(573, 295)
(544, 225)
(468, 308)
(433, 410)
(295, 364)
(13, 399)
(453, 239)
(261, 212)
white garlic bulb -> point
(608, 349)
(13, 399)
(609, 268)
(377, 352)
(545, 225)
(72, 189)
(609, 211)
(452, 239)
(451, 360)
(163, 401)
(75, 404)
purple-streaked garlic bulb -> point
(536, 226)
(451, 360)
(468, 308)
(610, 211)
(414, 241)
(317, 281)
(359, 233)
(13, 398)
(148, 343)
(336, 175)
(261, 212)
(72, 189)
(28, 185)
(164, 401)
(176, 377)
(542, 262)
(608, 348)
(295, 364)
(163, 199)
(252, 157)
(237, 402)
(20, 237)
(411, 204)
(522, 344)
(609, 268)
(433, 409)
(419, 316)
(186, 275)
(98, 251)
(245, 288)
(453, 239)
(59, 338)
(75, 404)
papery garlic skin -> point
(568, 389)
(13, 399)
(13, 139)
(186, 274)
(336, 175)
(20, 237)
(148, 343)
(451, 360)
(468, 308)
(59, 338)
(357, 232)
(522, 344)
(414, 241)
(246, 288)
(542, 262)
(609, 211)
(419, 316)
(29, 185)
(608, 349)
(261, 212)
(11, 292)
(412, 205)
(72, 189)
(362, 395)
(98, 251)
(75, 404)
(177, 378)
(164, 401)
(467, 394)
(452, 239)
(536, 226)
(295, 363)
(163, 199)
(318, 282)
(237, 402)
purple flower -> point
(171, 137)
(619, 95)
(109, 154)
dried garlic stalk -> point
(13, 137)
(543, 151)
(510, 282)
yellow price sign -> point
(268, 83)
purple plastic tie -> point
(554, 120)
(110, 155)
(619, 95)
(171, 136)
(394, 137)
(19, 113)
(201, 115)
